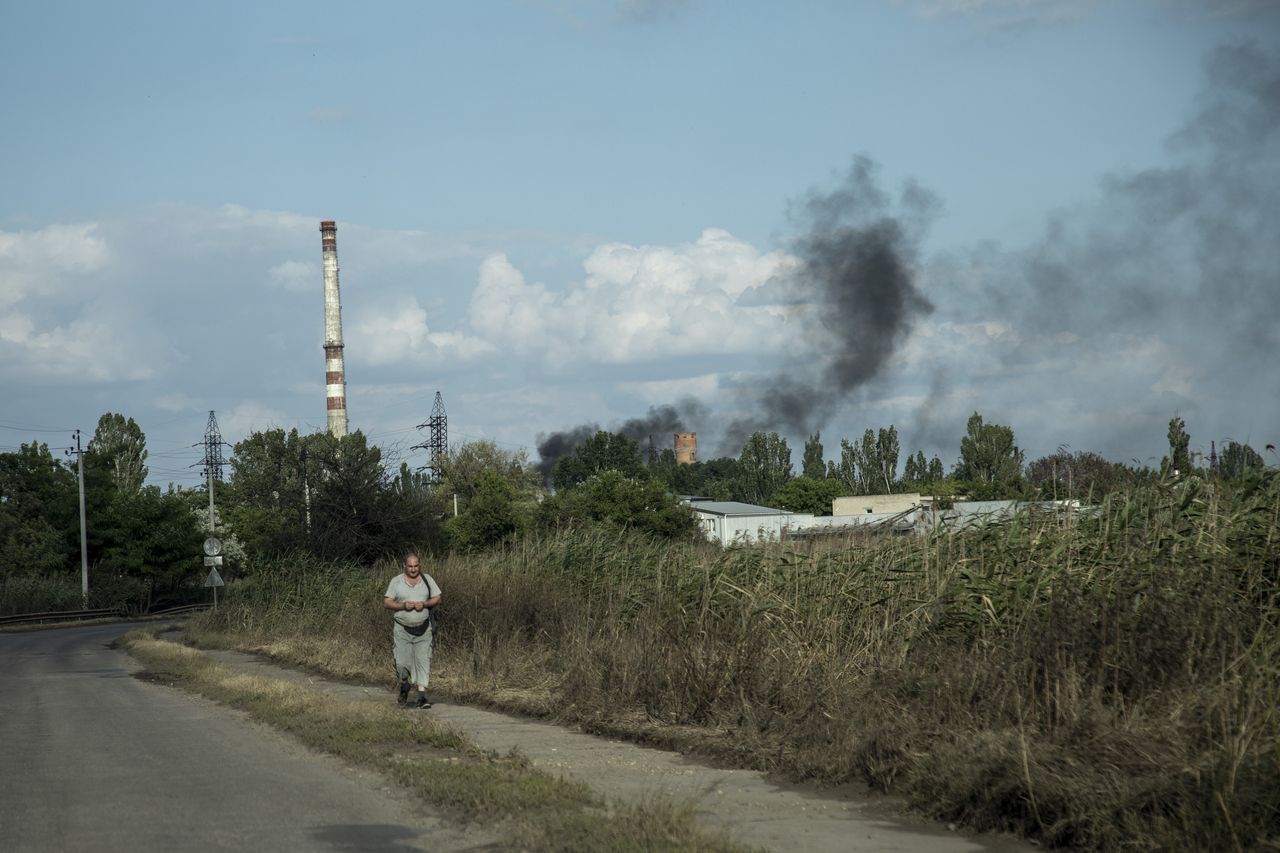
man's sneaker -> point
(422, 701)
(404, 694)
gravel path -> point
(754, 810)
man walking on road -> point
(410, 596)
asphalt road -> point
(94, 758)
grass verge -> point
(532, 809)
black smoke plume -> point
(1175, 264)
(558, 444)
(854, 300)
(660, 423)
(1164, 244)
(857, 299)
(1174, 271)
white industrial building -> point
(733, 522)
(729, 522)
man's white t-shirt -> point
(401, 590)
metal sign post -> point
(213, 559)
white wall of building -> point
(872, 504)
(731, 529)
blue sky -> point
(567, 212)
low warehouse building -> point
(728, 522)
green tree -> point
(39, 515)
(916, 469)
(148, 549)
(614, 500)
(920, 472)
(868, 463)
(1179, 458)
(815, 465)
(465, 465)
(1081, 475)
(713, 478)
(870, 466)
(274, 475)
(807, 494)
(119, 449)
(604, 451)
(331, 497)
(143, 543)
(886, 458)
(988, 454)
(1238, 460)
(764, 465)
(355, 514)
(851, 468)
(490, 516)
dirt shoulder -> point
(753, 809)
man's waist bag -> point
(432, 623)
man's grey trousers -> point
(412, 654)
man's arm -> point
(392, 604)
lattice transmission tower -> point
(437, 443)
(213, 461)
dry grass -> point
(1107, 681)
(535, 810)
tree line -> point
(143, 542)
(322, 498)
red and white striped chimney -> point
(335, 377)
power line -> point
(29, 428)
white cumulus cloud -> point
(401, 333)
(637, 303)
(80, 349)
(37, 262)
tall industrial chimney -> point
(686, 448)
(335, 377)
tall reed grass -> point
(1107, 680)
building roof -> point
(734, 508)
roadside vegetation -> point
(1104, 680)
(532, 809)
